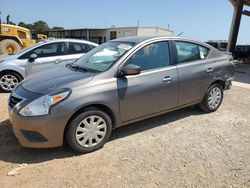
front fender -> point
(12, 67)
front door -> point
(152, 91)
(49, 56)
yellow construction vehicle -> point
(13, 38)
(40, 37)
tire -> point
(82, 131)
(212, 99)
(9, 46)
(9, 80)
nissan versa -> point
(117, 83)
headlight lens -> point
(41, 106)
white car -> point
(45, 55)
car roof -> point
(139, 39)
(50, 40)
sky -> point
(197, 19)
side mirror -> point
(130, 70)
(32, 57)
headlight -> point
(42, 105)
(1, 61)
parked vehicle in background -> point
(242, 52)
(218, 44)
(13, 38)
(117, 83)
(43, 56)
(40, 37)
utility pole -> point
(0, 23)
(232, 40)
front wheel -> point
(213, 98)
(9, 80)
(89, 131)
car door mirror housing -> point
(32, 57)
(130, 70)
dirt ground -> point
(186, 148)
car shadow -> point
(11, 151)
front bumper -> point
(36, 132)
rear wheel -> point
(89, 131)
(9, 46)
(213, 98)
(9, 80)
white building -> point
(101, 35)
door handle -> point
(167, 79)
(209, 70)
(58, 61)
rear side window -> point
(152, 56)
(203, 52)
(187, 51)
(78, 48)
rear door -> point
(195, 71)
(152, 91)
(77, 50)
(49, 56)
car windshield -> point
(104, 56)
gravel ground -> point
(186, 148)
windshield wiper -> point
(76, 67)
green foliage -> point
(38, 26)
(57, 28)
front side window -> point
(152, 56)
(78, 48)
(104, 56)
(47, 50)
(187, 51)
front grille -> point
(14, 101)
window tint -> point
(47, 50)
(187, 52)
(203, 52)
(152, 56)
(78, 48)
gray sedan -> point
(45, 55)
(117, 83)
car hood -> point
(6, 57)
(50, 81)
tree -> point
(41, 27)
(57, 28)
(22, 24)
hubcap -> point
(10, 49)
(214, 98)
(8, 82)
(91, 131)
